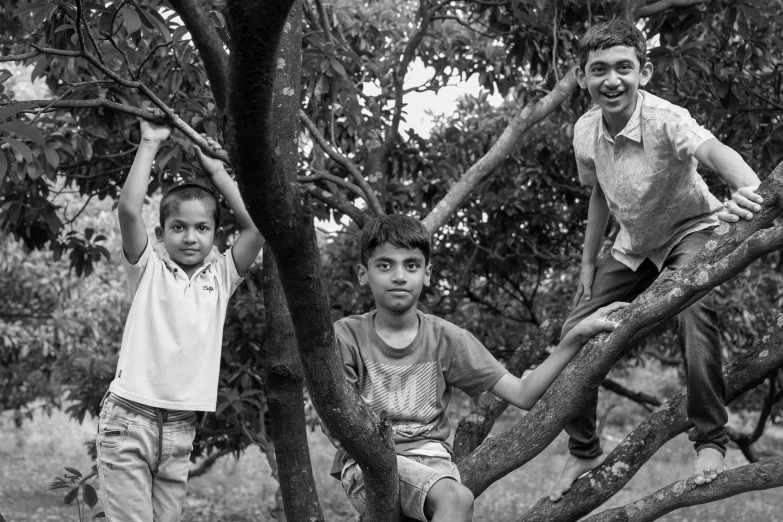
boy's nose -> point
(399, 275)
(612, 79)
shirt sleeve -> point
(134, 272)
(685, 134)
(585, 165)
(350, 360)
(227, 272)
(473, 369)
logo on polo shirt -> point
(208, 289)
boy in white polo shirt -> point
(170, 356)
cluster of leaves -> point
(74, 482)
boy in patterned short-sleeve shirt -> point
(406, 362)
(640, 153)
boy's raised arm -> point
(250, 240)
(132, 229)
(524, 393)
(734, 171)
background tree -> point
(504, 204)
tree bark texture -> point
(742, 374)
(285, 399)
(731, 248)
(473, 429)
(285, 218)
(753, 477)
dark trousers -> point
(699, 342)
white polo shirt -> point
(170, 355)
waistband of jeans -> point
(149, 412)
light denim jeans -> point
(127, 450)
(417, 475)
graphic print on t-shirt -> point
(407, 393)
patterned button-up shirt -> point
(648, 175)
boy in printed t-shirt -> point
(640, 152)
(170, 356)
(406, 362)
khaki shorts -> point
(417, 473)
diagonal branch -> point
(353, 212)
(368, 194)
(662, 5)
(209, 45)
(753, 477)
(638, 397)
(337, 180)
(589, 492)
(506, 143)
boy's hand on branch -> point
(597, 322)
(210, 165)
(153, 133)
(336, 443)
(585, 287)
(743, 204)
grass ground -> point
(242, 490)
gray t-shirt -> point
(414, 384)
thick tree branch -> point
(731, 248)
(506, 143)
(753, 477)
(325, 176)
(286, 221)
(209, 45)
(368, 193)
(741, 374)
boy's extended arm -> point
(250, 241)
(132, 229)
(734, 171)
(524, 393)
(597, 218)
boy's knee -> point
(450, 495)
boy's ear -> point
(646, 74)
(580, 77)
(159, 233)
(218, 235)
(427, 275)
(361, 274)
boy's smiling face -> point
(188, 235)
(612, 77)
(396, 277)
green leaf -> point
(74, 471)
(20, 147)
(58, 486)
(23, 129)
(131, 18)
(70, 497)
(7, 112)
(51, 155)
(3, 164)
(100, 514)
(90, 496)
(29, 8)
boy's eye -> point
(384, 266)
(413, 266)
(203, 228)
(176, 227)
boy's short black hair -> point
(396, 230)
(189, 192)
(610, 33)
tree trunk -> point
(284, 216)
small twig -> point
(79, 20)
(149, 56)
(334, 179)
(329, 199)
(322, 16)
(554, 45)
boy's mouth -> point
(612, 95)
(399, 291)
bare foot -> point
(573, 469)
(707, 466)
